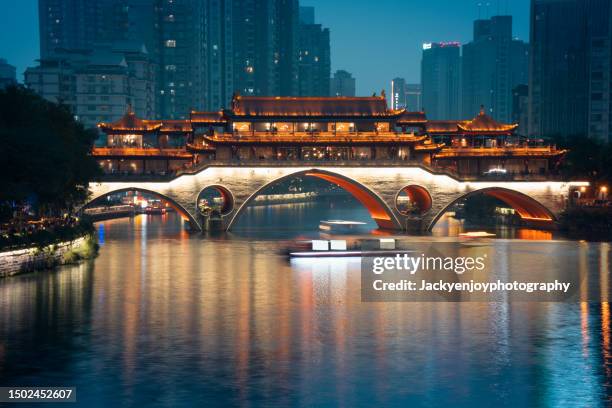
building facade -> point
(398, 93)
(8, 74)
(97, 84)
(570, 68)
(441, 80)
(493, 64)
(342, 84)
(314, 57)
(414, 97)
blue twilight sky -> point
(374, 40)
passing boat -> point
(341, 226)
(476, 234)
(337, 248)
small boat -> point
(340, 226)
(334, 248)
(476, 234)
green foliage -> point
(46, 237)
(588, 158)
(45, 153)
(594, 220)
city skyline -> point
(440, 20)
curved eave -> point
(309, 117)
(500, 153)
(311, 141)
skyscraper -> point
(314, 59)
(570, 68)
(342, 84)
(414, 97)
(493, 64)
(440, 80)
(219, 50)
(398, 93)
(181, 84)
(76, 24)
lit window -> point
(249, 70)
(170, 43)
(170, 67)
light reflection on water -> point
(162, 318)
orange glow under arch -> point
(526, 207)
(173, 204)
(380, 213)
(419, 195)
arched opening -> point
(380, 213)
(165, 200)
(413, 200)
(215, 198)
(522, 207)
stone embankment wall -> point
(31, 259)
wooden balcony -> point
(329, 138)
(518, 152)
(140, 152)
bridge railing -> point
(167, 176)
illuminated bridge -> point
(377, 188)
(377, 154)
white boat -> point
(340, 226)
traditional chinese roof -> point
(208, 117)
(407, 118)
(131, 122)
(176, 126)
(443, 126)
(485, 123)
(311, 106)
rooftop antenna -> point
(488, 10)
(479, 6)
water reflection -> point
(163, 318)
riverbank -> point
(46, 244)
(34, 258)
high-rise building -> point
(314, 59)
(398, 93)
(414, 97)
(288, 40)
(493, 64)
(342, 84)
(520, 108)
(307, 15)
(570, 68)
(97, 85)
(76, 24)
(405, 96)
(8, 74)
(203, 50)
(181, 82)
(441, 79)
(219, 49)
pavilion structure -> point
(321, 129)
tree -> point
(590, 158)
(45, 154)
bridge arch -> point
(416, 200)
(224, 192)
(376, 206)
(186, 215)
(528, 208)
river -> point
(165, 318)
